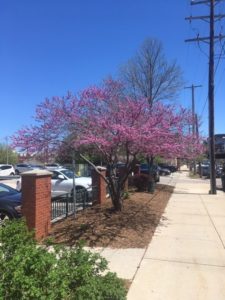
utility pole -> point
(211, 103)
(192, 87)
(211, 18)
(197, 126)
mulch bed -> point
(101, 226)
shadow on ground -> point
(101, 226)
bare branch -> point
(95, 167)
(149, 75)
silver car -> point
(62, 182)
(20, 168)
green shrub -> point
(126, 195)
(29, 271)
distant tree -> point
(7, 154)
(148, 74)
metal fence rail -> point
(64, 205)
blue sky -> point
(48, 47)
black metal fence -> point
(65, 205)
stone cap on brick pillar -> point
(37, 172)
(100, 168)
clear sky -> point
(48, 47)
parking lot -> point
(163, 180)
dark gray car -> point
(10, 203)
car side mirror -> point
(61, 177)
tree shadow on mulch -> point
(101, 226)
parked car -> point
(164, 171)
(53, 166)
(155, 171)
(6, 170)
(205, 171)
(37, 167)
(10, 203)
(20, 168)
(62, 182)
(169, 167)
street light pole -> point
(7, 151)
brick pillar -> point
(99, 182)
(36, 201)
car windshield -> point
(6, 190)
(68, 173)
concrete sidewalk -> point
(186, 257)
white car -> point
(62, 182)
(6, 170)
(52, 166)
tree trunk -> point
(151, 181)
(115, 190)
(117, 202)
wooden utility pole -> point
(211, 103)
(192, 87)
(211, 18)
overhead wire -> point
(216, 69)
(218, 60)
(195, 67)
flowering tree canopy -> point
(103, 120)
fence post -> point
(99, 182)
(36, 201)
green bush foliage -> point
(30, 271)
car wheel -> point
(17, 172)
(81, 194)
(12, 174)
(79, 189)
(4, 217)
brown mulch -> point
(101, 226)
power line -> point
(214, 74)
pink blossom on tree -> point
(107, 122)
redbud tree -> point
(104, 121)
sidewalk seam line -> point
(212, 222)
(184, 262)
